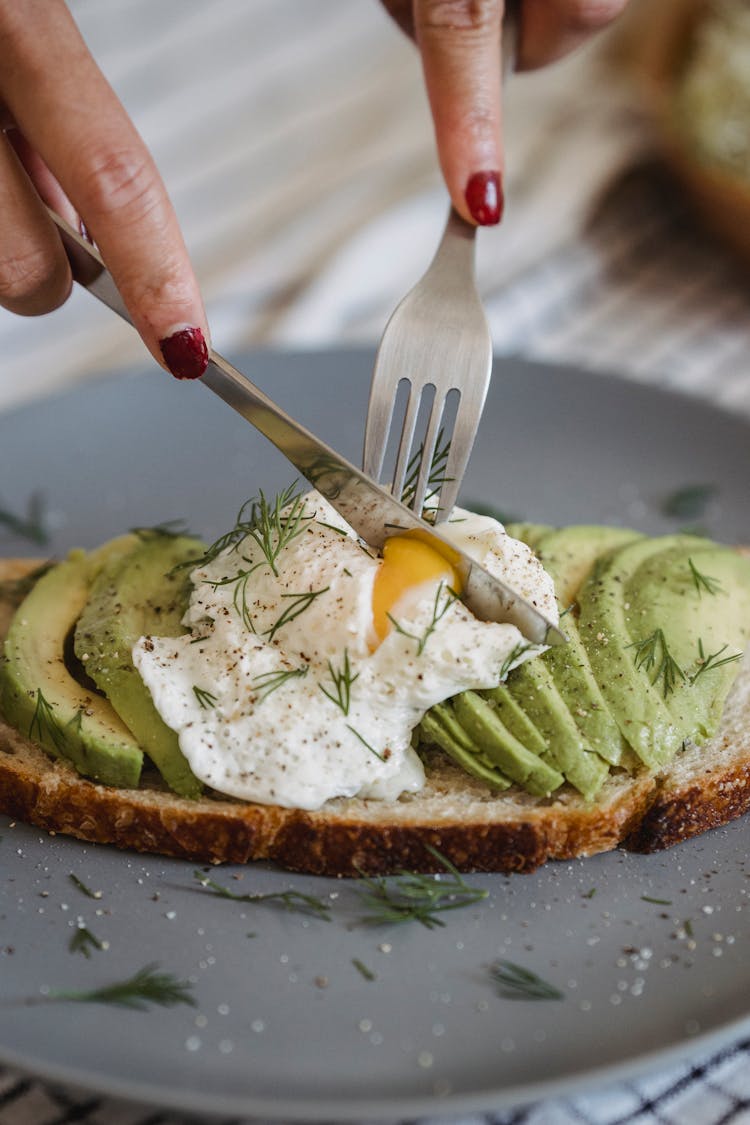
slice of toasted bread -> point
(472, 826)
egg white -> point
(292, 744)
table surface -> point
(306, 184)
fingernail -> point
(484, 198)
(185, 352)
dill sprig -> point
(266, 522)
(410, 897)
(169, 529)
(704, 582)
(30, 526)
(83, 941)
(268, 682)
(81, 886)
(205, 698)
(713, 661)
(43, 723)
(293, 901)
(438, 612)
(383, 757)
(517, 983)
(688, 502)
(362, 969)
(437, 475)
(342, 680)
(653, 651)
(298, 605)
(515, 654)
(147, 986)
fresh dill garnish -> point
(366, 744)
(518, 983)
(298, 605)
(205, 698)
(83, 941)
(30, 526)
(147, 986)
(667, 667)
(688, 502)
(332, 527)
(438, 612)
(43, 723)
(362, 969)
(704, 582)
(169, 529)
(436, 477)
(270, 529)
(712, 661)
(656, 901)
(590, 893)
(410, 897)
(294, 901)
(342, 684)
(276, 525)
(687, 926)
(81, 886)
(515, 653)
(268, 682)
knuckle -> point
(120, 183)
(31, 281)
(470, 17)
(591, 15)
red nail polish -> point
(185, 353)
(484, 198)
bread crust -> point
(458, 815)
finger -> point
(553, 28)
(45, 183)
(34, 272)
(77, 124)
(459, 41)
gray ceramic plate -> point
(649, 952)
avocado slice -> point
(514, 718)
(567, 750)
(568, 556)
(41, 697)
(138, 595)
(439, 727)
(701, 599)
(615, 618)
(483, 725)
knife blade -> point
(372, 512)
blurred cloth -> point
(295, 140)
(296, 143)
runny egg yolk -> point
(406, 563)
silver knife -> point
(371, 511)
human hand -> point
(460, 45)
(68, 142)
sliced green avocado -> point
(614, 619)
(529, 533)
(40, 696)
(568, 556)
(567, 750)
(514, 718)
(139, 595)
(700, 599)
(483, 725)
(439, 727)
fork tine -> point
(465, 429)
(403, 457)
(422, 484)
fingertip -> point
(184, 351)
(484, 199)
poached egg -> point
(310, 660)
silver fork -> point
(437, 339)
